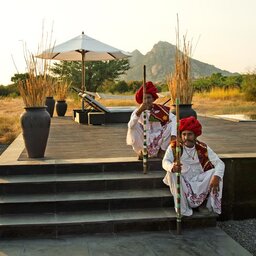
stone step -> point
(85, 201)
(56, 168)
(53, 200)
(55, 183)
(108, 221)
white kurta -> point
(158, 136)
(194, 181)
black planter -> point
(35, 124)
(50, 104)
(61, 107)
(74, 113)
(186, 110)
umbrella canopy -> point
(83, 48)
(93, 50)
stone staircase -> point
(65, 199)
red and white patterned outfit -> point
(160, 126)
(194, 179)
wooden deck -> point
(69, 140)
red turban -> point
(190, 124)
(150, 89)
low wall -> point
(239, 191)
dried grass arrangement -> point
(180, 83)
(51, 84)
(39, 83)
(34, 90)
(61, 90)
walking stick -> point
(166, 101)
(145, 151)
(178, 214)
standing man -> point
(201, 171)
(160, 124)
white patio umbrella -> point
(83, 48)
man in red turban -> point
(191, 124)
(160, 124)
(201, 171)
(150, 89)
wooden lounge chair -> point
(96, 113)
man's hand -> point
(142, 108)
(176, 167)
(214, 184)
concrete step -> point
(153, 165)
(85, 201)
(108, 221)
(55, 183)
(52, 200)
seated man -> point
(201, 171)
(160, 124)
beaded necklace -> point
(191, 155)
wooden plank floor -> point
(228, 137)
(70, 140)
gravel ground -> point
(242, 231)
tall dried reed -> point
(179, 83)
(61, 89)
(39, 83)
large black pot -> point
(61, 107)
(35, 124)
(50, 104)
(186, 110)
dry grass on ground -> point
(10, 111)
(213, 103)
(116, 102)
(219, 101)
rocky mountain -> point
(160, 63)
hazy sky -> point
(223, 32)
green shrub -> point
(121, 87)
(202, 85)
(134, 86)
(249, 87)
(217, 80)
(9, 90)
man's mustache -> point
(192, 141)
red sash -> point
(202, 153)
(161, 113)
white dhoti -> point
(195, 183)
(158, 135)
(194, 192)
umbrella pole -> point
(83, 77)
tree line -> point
(107, 77)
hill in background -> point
(160, 63)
